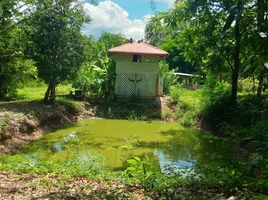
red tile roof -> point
(138, 48)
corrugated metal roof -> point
(183, 74)
(138, 48)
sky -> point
(127, 17)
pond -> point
(115, 141)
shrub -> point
(168, 75)
(74, 166)
(174, 94)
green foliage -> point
(174, 94)
(109, 40)
(57, 45)
(74, 166)
(158, 33)
(89, 80)
(175, 59)
(96, 78)
(74, 107)
(143, 173)
(233, 176)
(243, 176)
(215, 90)
(97, 75)
(168, 76)
(246, 121)
(186, 104)
(219, 36)
(14, 66)
(155, 31)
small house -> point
(137, 70)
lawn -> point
(37, 91)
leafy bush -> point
(89, 80)
(168, 75)
(247, 86)
(213, 94)
(174, 94)
(96, 78)
(74, 166)
(14, 74)
(186, 104)
(145, 174)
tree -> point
(110, 40)
(262, 28)
(156, 30)
(215, 35)
(14, 66)
(175, 59)
(158, 33)
(57, 45)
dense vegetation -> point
(226, 39)
(223, 42)
(43, 41)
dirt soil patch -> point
(26, 186)
(15, 186)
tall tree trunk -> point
(53, 93)
(48, 92)
(260, 15)
(254, 85)
(50, 95)
(237, 61)
(261, 25)
(259, 90)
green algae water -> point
(115, 141)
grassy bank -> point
(244, 126)
(28, 118)
(184, 106)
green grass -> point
(29, 102)
(74, 107)
(37, 92)
(192, 98)
(188, 104)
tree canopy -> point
(223, 37)
(14, 66)
(56, 43)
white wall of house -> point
(137, 79)
(136, 67)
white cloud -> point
(108, 16)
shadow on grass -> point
(133, 109)
(22, 106)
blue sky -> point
(127, 17)
(139, 8)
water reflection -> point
(58, 146)
(166, 145)
(70, 136)
(172, 165)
